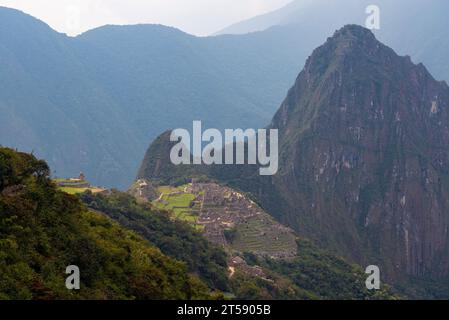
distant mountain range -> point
(92, 103)
(363, 161)
(414, 27)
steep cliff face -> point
(364, 158)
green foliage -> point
(174, 238)
(17, 167)
(325, 276)
(278, 287)
(430, 289)
(250, 258)
(230, 234)
(42, 231)
(313, 274)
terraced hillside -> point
(228, 218)
(311, 274)
(76, 186)
(265, 260)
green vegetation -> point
(71, 183)
(325, 275)
(43, 230)
(230, 235)
(174, 238)
(73, 190)
(260, 234)
(247, 287)
(75, 186)
(313, 274)
(179, 204)
(170, 189)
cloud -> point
(200, 17)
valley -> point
(357, 175)
(103, 95)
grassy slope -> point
(173, 199)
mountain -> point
(43, 231)
(174, 238)
(91, 103)
(364, 136)
(290, 13)
(264, 257)
(242, 275)
(414, 27)
(363, 159)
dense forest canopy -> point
(42, 231)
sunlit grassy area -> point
(74, 191)
(75, 186)
(179, 204)
(170, 189)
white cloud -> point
(200, 17)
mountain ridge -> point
(413, 27)
(363, 150)
(95, 98)
(343, 158)
(92, 102)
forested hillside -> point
(175, 239)
(42, 231)
(312, 274)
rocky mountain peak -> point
(365, 136)
(364, 152)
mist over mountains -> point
(414, 27)
(93, 102)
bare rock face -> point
(364, 160)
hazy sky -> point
(200, 17)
